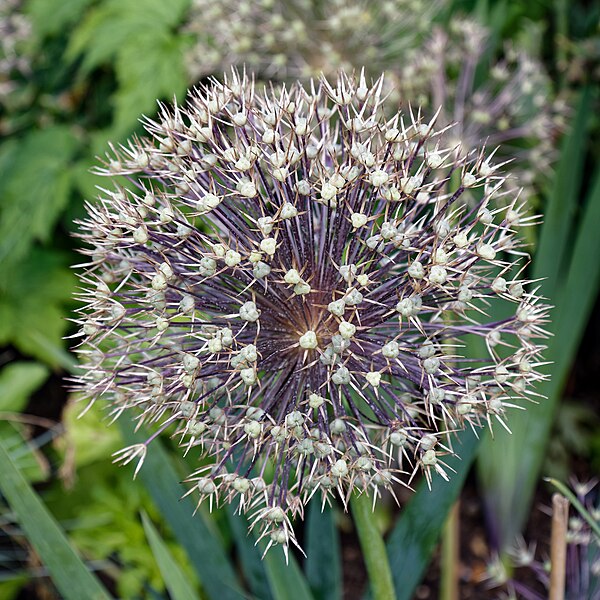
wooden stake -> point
(558, 549)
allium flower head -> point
(512, 108)
(287, 284)
(303, 38)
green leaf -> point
(18, 381)
(51, 17)
(149, 67)
(35, 184)
(114, 23)
(204, 549)
(71, 577)
(560, 210)
(252, 564)
(416, 534)
(286, 579)
(509, 465)
(174, 578)
(323, 566)
(33, 294)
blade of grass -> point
(323, 566)
(70, 575)
(204, 549)
(175, 579)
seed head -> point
(299, 40)
(303, 354)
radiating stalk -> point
(373, 548)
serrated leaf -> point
(115, 23)
(50, 17)
(18, 381)
(33, 295)
(34, 189)
(150, 67)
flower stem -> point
(449, 559)
(373, 548)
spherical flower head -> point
(289, 40)
(513, 108)
(305, 352)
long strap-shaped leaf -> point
(175, 579)
(204, 549)
(323, 565)
(509, 465)
(72, 578)
(413, 539)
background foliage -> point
(94, 66)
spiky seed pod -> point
(287, 283)
(288, 40)
(513, 108)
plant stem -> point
(450, 551)
(373, 548)
(558, 547)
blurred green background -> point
(76, 74)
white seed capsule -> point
(379, 178)
(140, 235)
(246, 188)
(358, 220)
(302, 288)
(316, 401)
(347, 330)
(232, 258)
(288, 211)
(486, 251)
(292, 277)
(265, 224)
(328, 191)
(207, 267)
(416, 270)
(268, 246)
(336, 307)
(339, 469)
(431, 365)
(461, 240)
(374, 378)
(308, 340)
(341, 376)
(499, 285)
(437, 275)
(249, 312)
(469, 180)
(261, 270)
(391, 349)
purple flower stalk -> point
(287, 283)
